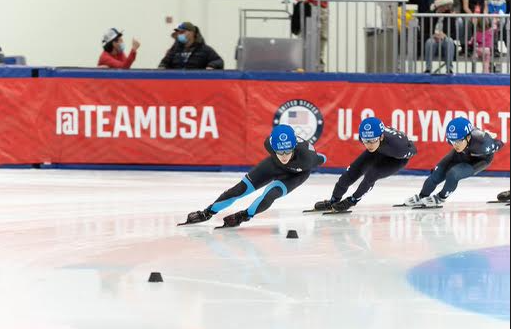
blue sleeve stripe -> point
(219, 206)
(253, 208)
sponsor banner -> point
(126, 121)
(329, 113)
(225, 122)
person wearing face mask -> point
(472, 152)
(190, 51)
(387, 152)
(114, 48)
(288, 166)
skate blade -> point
(223, 227)
(497, 202)
(185, 224)
(190, 223)
(331, 213)
(427, 208)
(400, 206)
(312, 211)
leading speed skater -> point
(288, 166)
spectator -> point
(497, 7)
(423, 5)
(2, 57)
(114, 48)
(297, 29)
(440, 40)
(475, 6)
(424, 8)
(483, 42)
(458, 6)
(459, 33)
(324, 29)
(190, 51)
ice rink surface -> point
(77, 248)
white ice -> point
(77, 248)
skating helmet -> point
(371, 128)
(459, 129)
(283, 138)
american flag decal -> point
(298, 118)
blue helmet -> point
(371, 128)
(283, 138)
(458, 129)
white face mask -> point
(122, 47)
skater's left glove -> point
(345, 204)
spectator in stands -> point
(475, 6)
(497, 6)
(459, 34)
(483, 41)
(114, 48)
(324, 19)
(441, 41)
(190, 51)
(422, 4)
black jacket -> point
(305, 157)
(481, 145)
(396, 145)
(479, 153)
(297, 19)
(198, 57)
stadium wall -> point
(220, 119)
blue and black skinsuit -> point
(456, 166)
(282, 179)
(393, 155)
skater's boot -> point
(434, 201)
(236, 219)
(504, 196)
(323, 205)
(345, 204)
(199, 216)
(414, 201)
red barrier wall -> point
(224, 122)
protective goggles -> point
(286, 152)
(371, 140)
(457, 142)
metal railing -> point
(475, 43)
(363, 35)
(264, 15)
(368, 36)
(373, 36)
